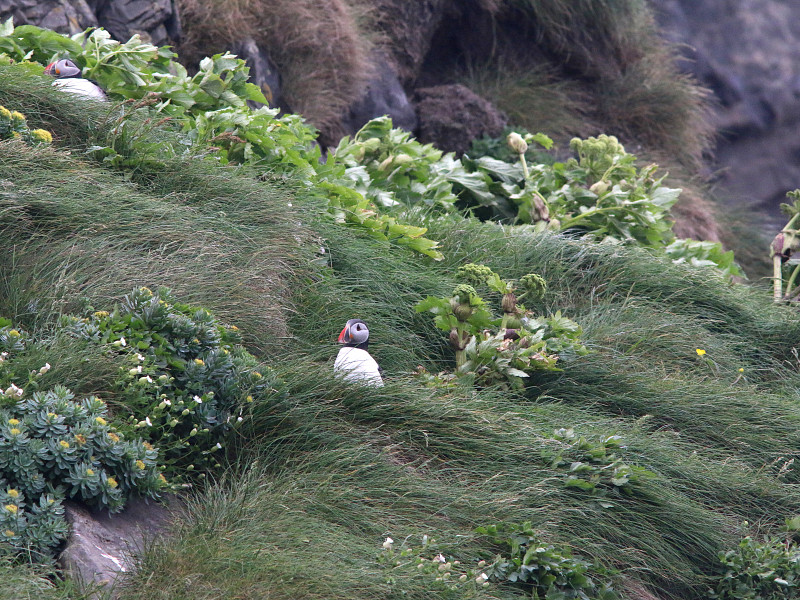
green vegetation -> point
(633, 467)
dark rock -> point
(384, 96)
(102, 545)
(410, 28)
(154, 20)
(263, 71)
(451, 116)
(64, 16)
(746, 52)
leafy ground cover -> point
(635, 466)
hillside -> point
(632, 466)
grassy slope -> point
(322, 476)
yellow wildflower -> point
(140, 465)
(64, 444)
(101, 421)
(4, 112)
(257, 374)
(42, 135)
(51, 415)
(700, 352)
(13, 421)
(15, 431)
(100, 314)
(81, 439)
(741, 369)
(199, 361)
(90, 472)
(113, 437)
(249, 398)
(17, 116)
(13, 493)
(147, 445)
(12, 508)
(162, 479)
(112, 482)
(8, 532)
(13, 333)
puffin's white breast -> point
(357, 365)
(82, 87)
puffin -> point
(69, 78)
(353, 362)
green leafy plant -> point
(768, 570)
(783, 247)
(595, 467)
(52, 447)
(187, 380)
(508, 349)
(443, 573)
(550, 572)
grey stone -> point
(746, 53)
(101, 546)
(263, 71)
(451, 116)
(64, 16)
(154, 20)
(384, 96)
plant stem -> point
(525, 171)
(777, 282)
(790, 285)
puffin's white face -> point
(359, 332)
(355, 332)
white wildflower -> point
(147, 420)
(198, 399)
(440, 558)
(387, 544)
(44, 369)
(481, 578)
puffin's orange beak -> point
(345, 333)
(48, 68)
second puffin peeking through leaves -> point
(353, 362)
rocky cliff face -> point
(747, 52)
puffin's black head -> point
(355, 334)
(63, 68)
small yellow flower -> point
(13, 493)
(90, 472)
(8, 532)
(14, 333)
(112, 482)
(81, 439)
(42, 135)
(64, 444)
(12, 508)
(101, 421)
(147, 445)
(140, 465)
(13, 421)
(113, 437)
(234, 328)
(51, 415)
(700, 352)
(741, 369)
(249, 398)
(257, 374)
(101, 314)
(15, 431)
(199, 361)
(17, 116)
(4, 112)
(162, 479)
